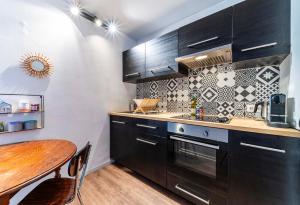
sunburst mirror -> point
(36, 65)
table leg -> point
(57, 174)
(4, 200)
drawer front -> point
(192, 192)
(209, 32)
(151, 127)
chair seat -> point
(56, 191)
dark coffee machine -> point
(277, 111)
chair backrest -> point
(78, 164)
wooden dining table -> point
(24, 163)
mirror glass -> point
(37, 65)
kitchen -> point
(194, 102)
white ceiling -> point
(140, 18)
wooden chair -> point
(60, 191)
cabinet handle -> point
(146, 141)
(263, 148)
(191, 194)
(153, 71)
(259, 47)
(201, 42)
(133, 74)
(146, 126)
(119, 122)
(195, 143)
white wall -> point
(294, 88)
(87, 80)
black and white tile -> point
(226, 79)
(140, 91)
(225, 109)
(268, 75)
(172, 106)
(209, 94)
(264, 91)
(195, 82)
(221, 90)
(172, 84)
(209, 81)
(245, 93)
(246, 77)
(225, 94)
(154, 90)
(209, 70)
(211, 108)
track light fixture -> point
(110, 26)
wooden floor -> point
(115, 185)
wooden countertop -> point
(246, 125)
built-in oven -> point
(199, 156)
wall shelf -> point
(15, 113)
(6, 132)
(21, 116)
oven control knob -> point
(181, 129)
(205, 133)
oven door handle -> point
(195, 143)
(178, 187)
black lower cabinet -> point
(122, 141)
(193, 192)
(264, 170)
(150, 157)
(140, 145)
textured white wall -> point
(87, 80)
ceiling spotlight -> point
(98, 22)
(75, 10)
(112, 27)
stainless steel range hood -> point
(215, 56)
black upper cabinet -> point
(264, 169)
(160, 55)
(153, 60)
(261, 29)
(210, 32)
(134, 63)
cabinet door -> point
(261, 29)
(264, 169)
(209, 32)
(150, 151)
(160, 55)
(150, 157)
(134, 63)
(121, 140)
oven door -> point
(198, 156)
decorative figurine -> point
(5, 107)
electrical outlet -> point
(250, 108)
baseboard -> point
(99, 166)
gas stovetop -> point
(215, 119)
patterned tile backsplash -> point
(221, 90)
